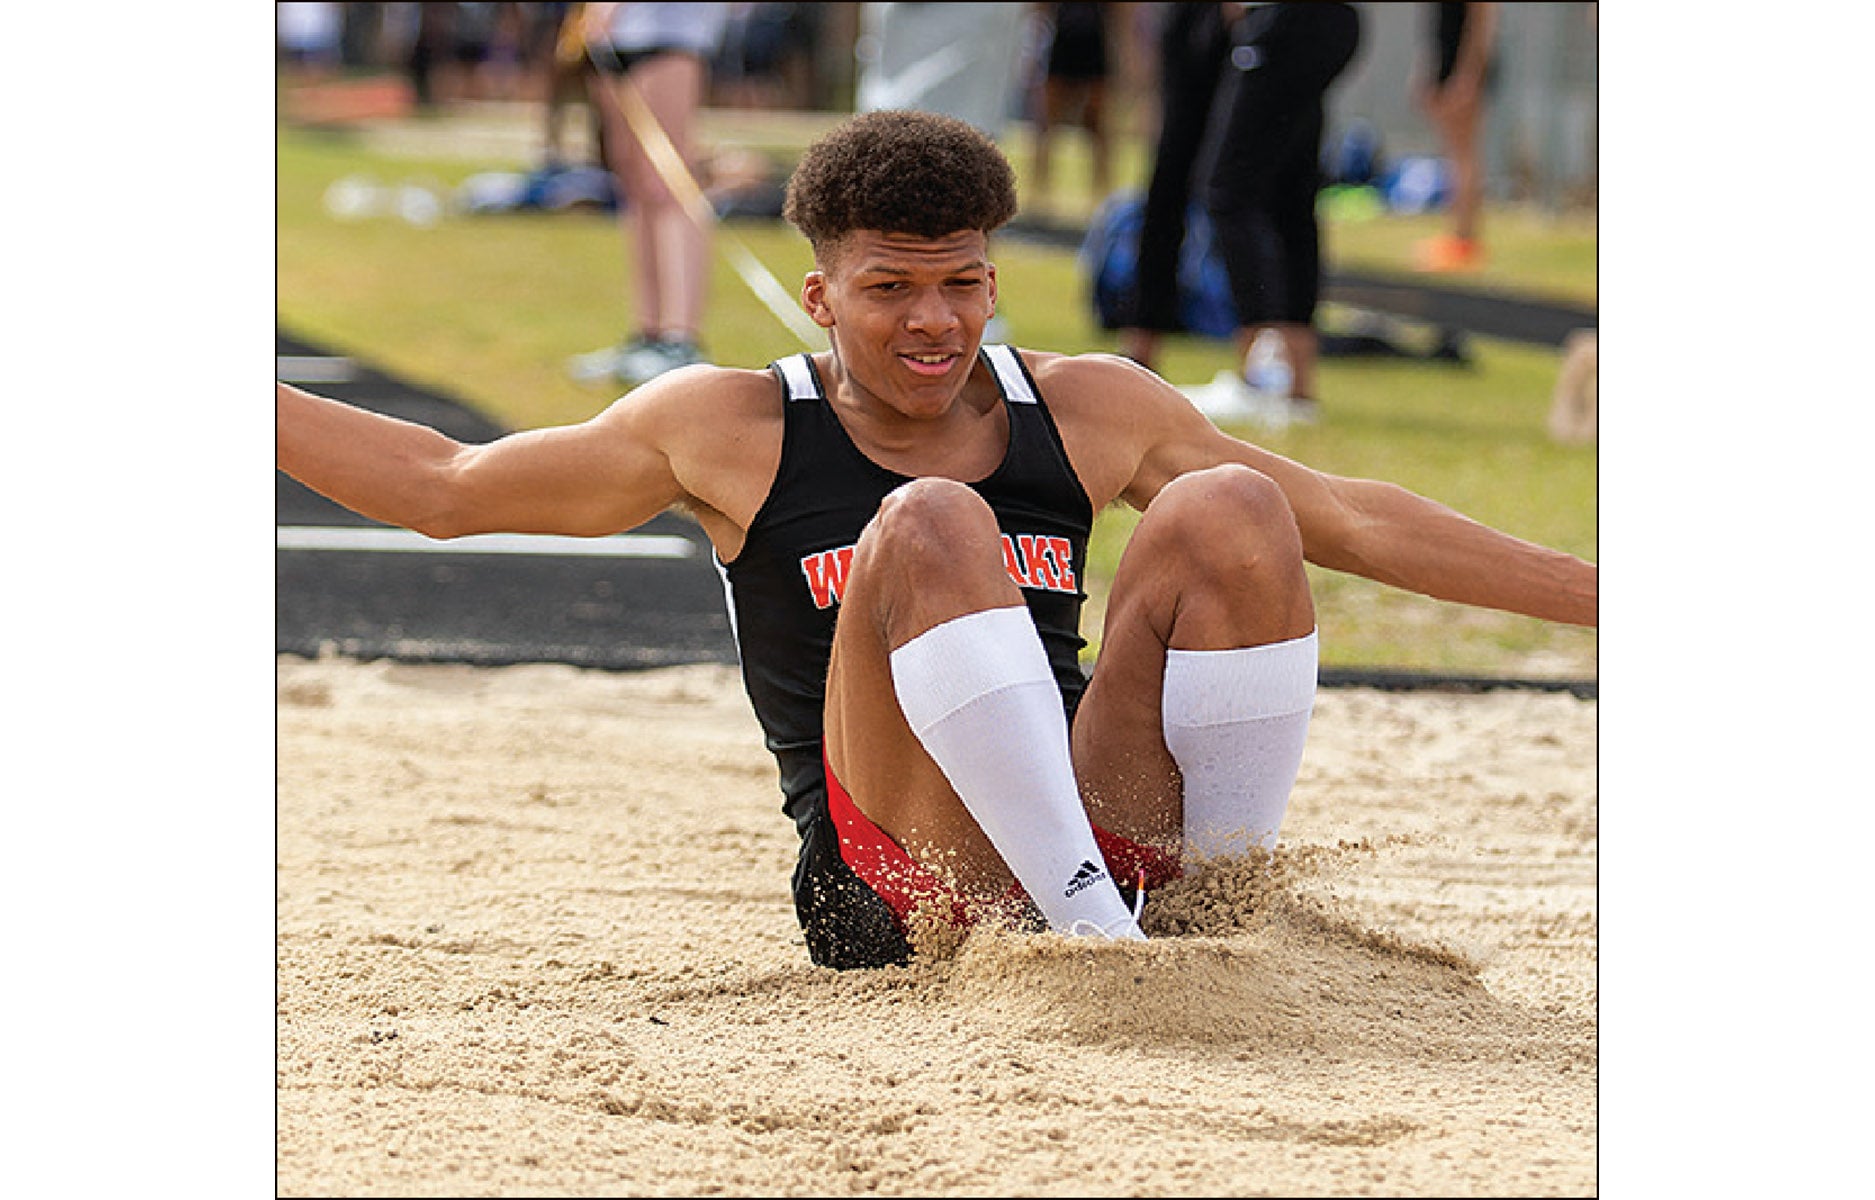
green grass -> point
(489, 308)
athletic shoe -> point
(596, 365)
(654, 358)
(1229, 397)
(1446, 254)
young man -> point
(903, 525)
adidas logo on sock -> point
(1087, 876)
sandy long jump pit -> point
(534, 937)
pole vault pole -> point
(671, 167)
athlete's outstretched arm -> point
(599, 477)
(1384, 532)
(1144, 433)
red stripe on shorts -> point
(904, 885)
(1126, 859)
(883, 864)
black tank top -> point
(784, 587)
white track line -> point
(404, 541)
(294, 368)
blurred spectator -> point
(506, 66)
(1262, 170)
(362, 33)
(570, 80)
(1452, 96)
(766, 59)
(1074, 86)
(471, 36)
(430, 45)
(653, 62)
(1193, 44)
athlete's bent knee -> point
(928, 518)
(1227, 541)
(1225, 512)
(929, 534)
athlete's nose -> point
(931, 312)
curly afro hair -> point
(900, 172)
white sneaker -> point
(1229, 398)
(649, 360)
(596, 365)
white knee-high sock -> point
(978, 694)
(1235, 722)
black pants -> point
(1261, 164)
(1193, 45)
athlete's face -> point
(907, 313)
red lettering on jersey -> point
(1040, 568)
(1032, 560)
(826, 575)
(1012, 562)
(1059, 552)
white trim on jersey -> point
(802, 384)
(799, 376)
(1009, 373)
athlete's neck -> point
(964, 440)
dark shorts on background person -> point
(1448, 34)
(620, 62)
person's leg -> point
(1048, 110)
(1263, 172)
(1190, 61)
(1453, 104)
(1099, 145)
(1249, 163)
(1295, 184)
(1245, 152)
(1458, 125)
(672, 246)
(625, 157)
(1191, 730)
(944, 723)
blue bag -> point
(1109, 258)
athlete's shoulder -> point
(1114, 416)
(699, 396)
(1097, 384)
(719, 429)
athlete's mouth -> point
(928, 364)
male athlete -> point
(903, 521)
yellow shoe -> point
(1447, 253)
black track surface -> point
(483, 609)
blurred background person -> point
(464, 74)
(1075, 64)
(766, 61)
(1193, 44)
(1262, 172)
(1452, 96)
(570, 78)
(430, 45)
(659, 53)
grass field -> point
(489, 308)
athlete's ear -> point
(814, 299)
(992, 279)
